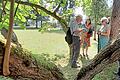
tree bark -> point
(8, 43)
(115, 20)
(95, 16)
(115, 25)
(107, 56)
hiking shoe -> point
(75, 66)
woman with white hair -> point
(104, 33)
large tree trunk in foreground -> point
(8, 43)
(107, 56)
(115, 25)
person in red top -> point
(88, 34)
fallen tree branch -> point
(107, 56)
(16, 9)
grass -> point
(36, 42)
(5, 78)
(51, 44)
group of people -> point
(82, 33)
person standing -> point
(86, 41)
(75, 28)
(103, 33)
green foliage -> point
(87, 6)
(100, 9)
(45, 26)
(77, 3)
(34, 1)
(5, 78)
(107, 73)
(21, 17)
(96, 9)
(43, 61)
(0, 1)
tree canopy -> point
(59, 9)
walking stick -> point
(98, 43)
(119, 59)
(118, 68)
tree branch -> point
(57, 8)
(62, 21)
(3, 10)
(16, 9)
(35, 10)
(107, 56)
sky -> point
(110, 3)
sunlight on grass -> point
(47, 42)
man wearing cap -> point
(75, 27)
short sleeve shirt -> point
(74, 26)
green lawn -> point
(52, 45)
(48, 42)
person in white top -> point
(104, 33)
(76, 28)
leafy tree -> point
(96, 9)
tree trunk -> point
(36, 23)
(8, 43)
(107, 56)
(115, 20)
(115, 24)
(95, 16)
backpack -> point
(68, 37)
(90, 32)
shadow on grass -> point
(55, 31)
(71, 73)
(44, 61)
